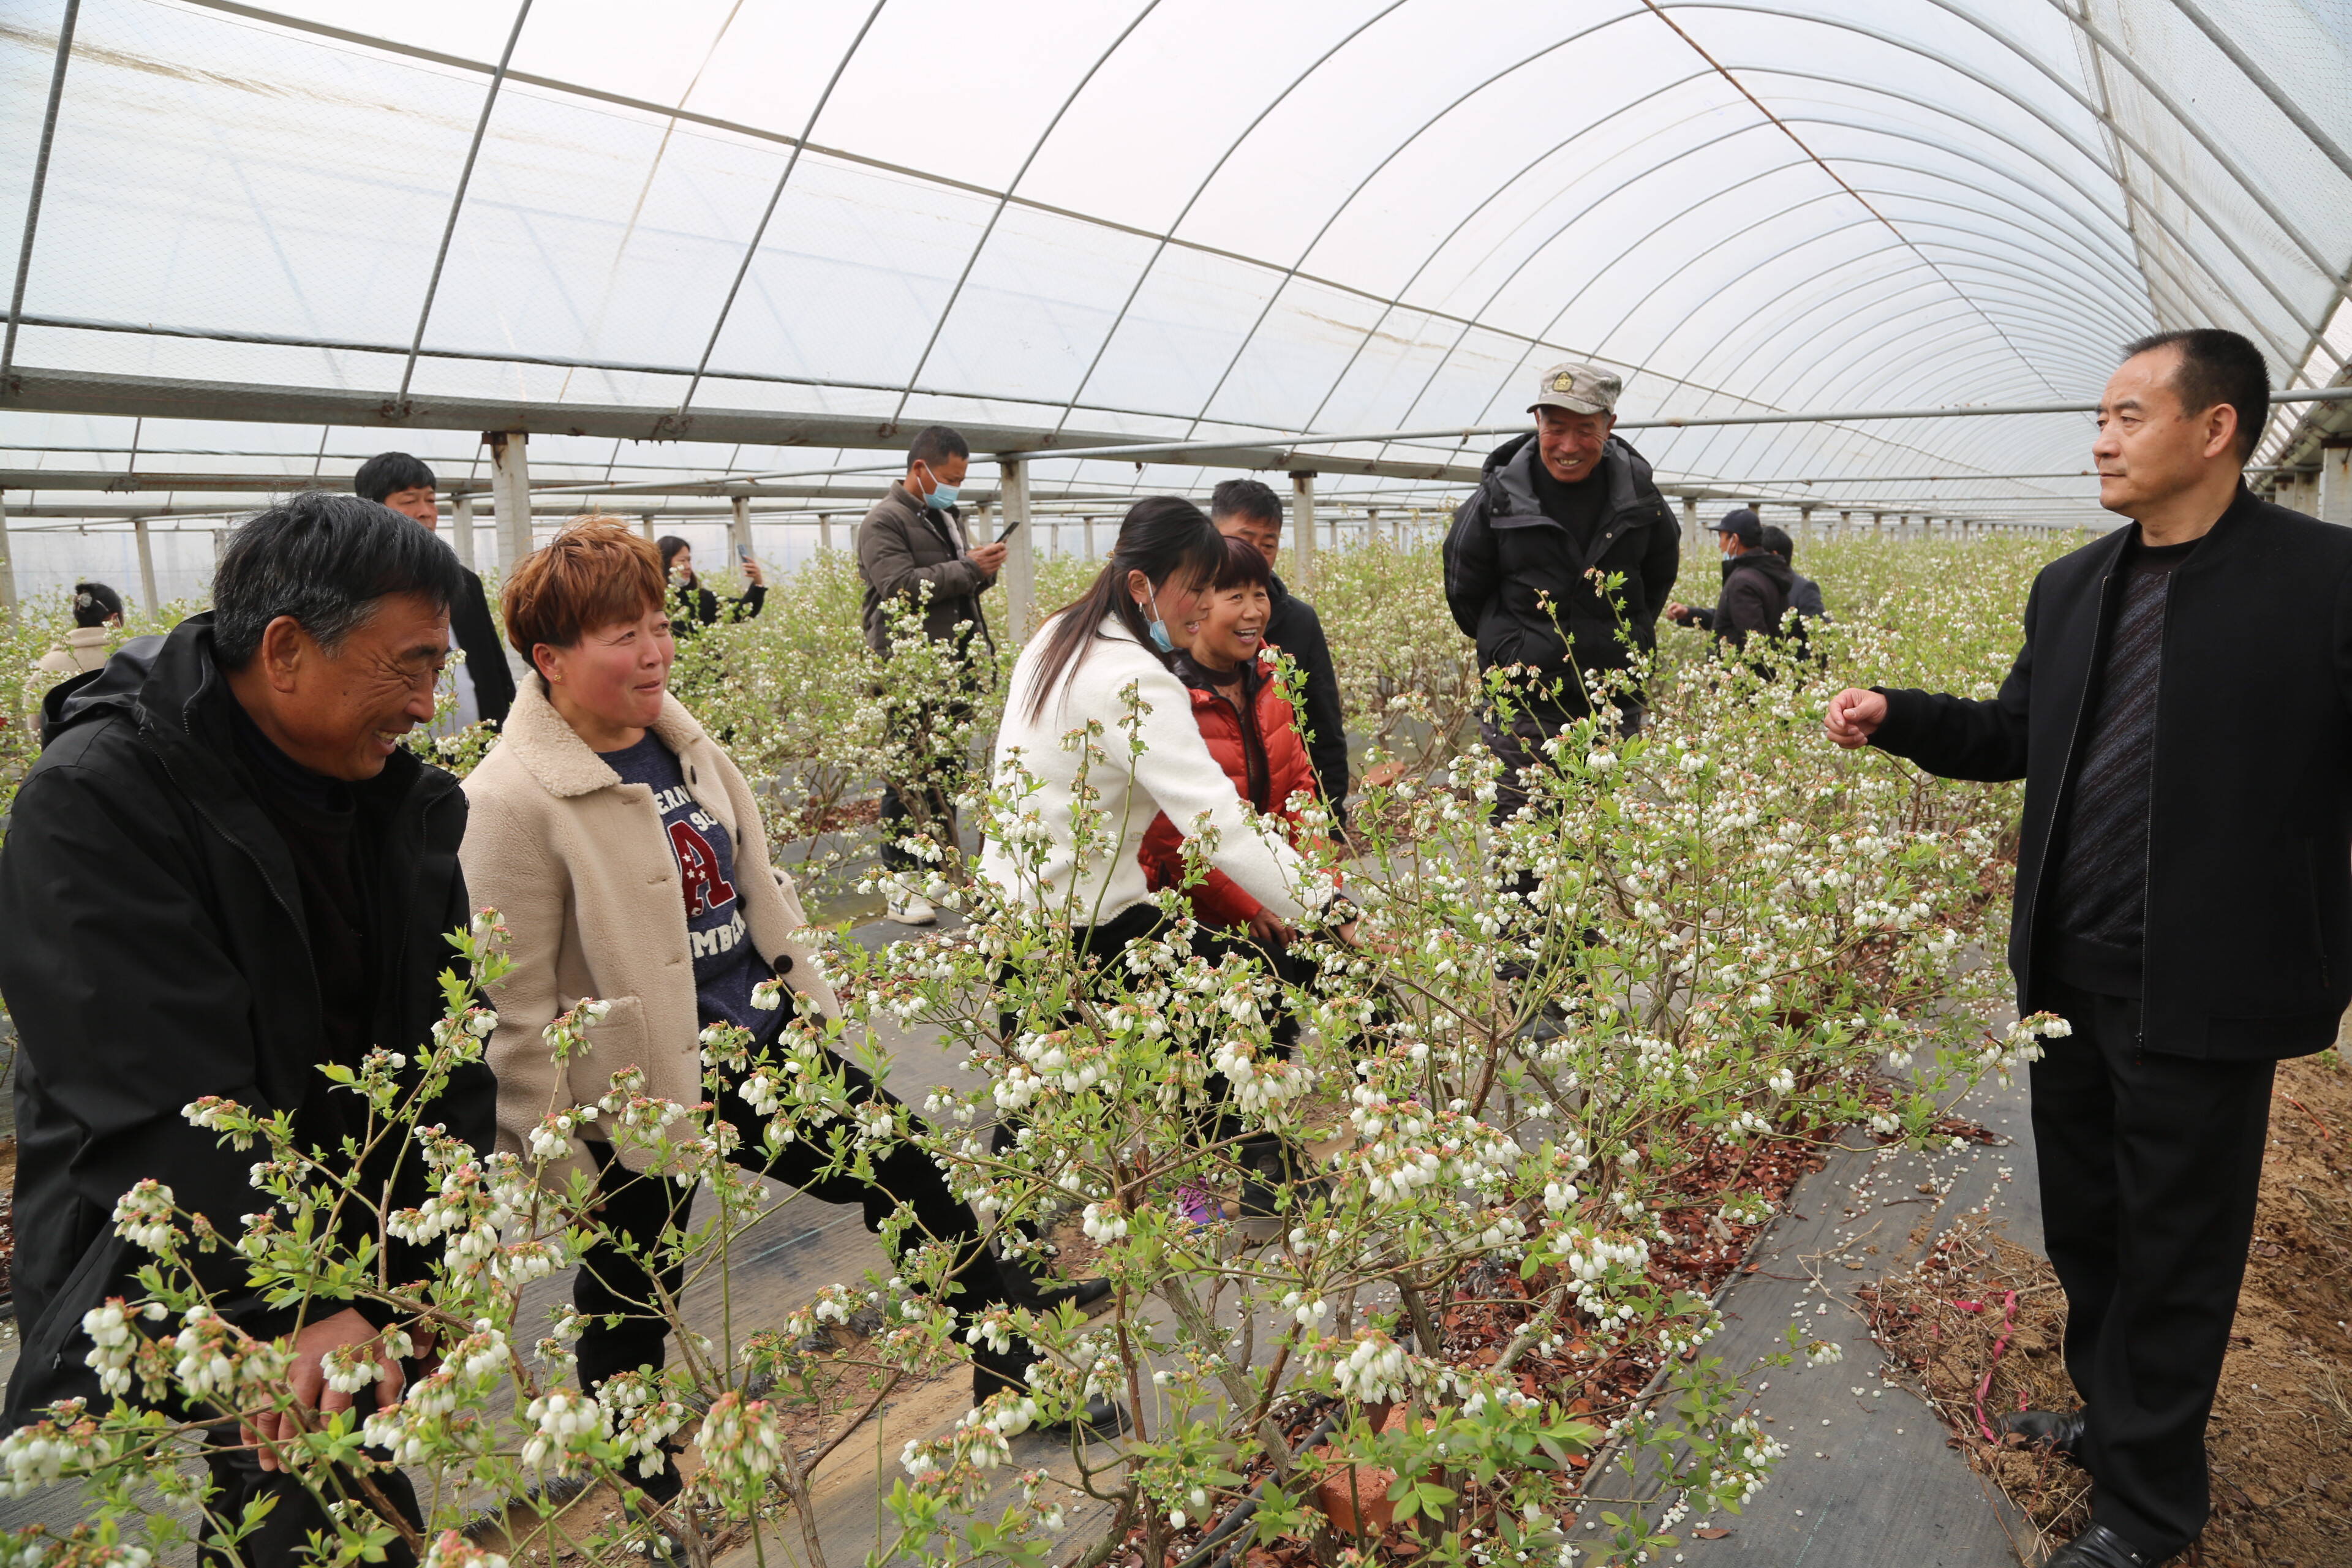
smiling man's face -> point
(343, 713)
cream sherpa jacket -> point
(1173, 772)
(577, 864)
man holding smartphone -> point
(912, 544)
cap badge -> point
(1563, 382)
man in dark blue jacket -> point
(224, 871)
(2181, 715)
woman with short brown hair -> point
(624, 850)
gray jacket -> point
(903, 544)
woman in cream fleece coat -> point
(624, 849)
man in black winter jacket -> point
(1551, 508)
(485, 687)
(225, 870)
(1757, 585)
(1248, 509)
(2181, 715)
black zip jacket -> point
(2248, 947)
(1503, 557)
(1758, 587)
(154, 953)
(473, 628)
(1293, 626)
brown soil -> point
(2280, 1435)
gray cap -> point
(1576, 388)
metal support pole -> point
(824, 531)
(147, 594)
(32, 192)
(461, 529)
(739, 528)
(7, 564)
(2336, 480)
(646, 524)
(510, 495)
(1019, 573)
(1090, 539)
(1690, 523)
(1302, 526)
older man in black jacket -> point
(1551, 508)
(224, 871)
(2181, 714)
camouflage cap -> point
(1576, 388)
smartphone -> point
(1009, 530)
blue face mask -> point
(943, 497)
(1159, 628)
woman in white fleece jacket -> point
(1078, 673)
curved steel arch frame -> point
(997, 213)
(2187, 249)
(2187, 197)
(1903, 133)
(1275, 297)
(1143, 274)
(1492, 196)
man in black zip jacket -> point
(1757, 585)
(225, 870)
(2181, 714)
(485, 687)
(1551, 506)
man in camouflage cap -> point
(1553, 509)
(1552, 506)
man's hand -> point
(751, 570)
(1269, 929)
(1854, 717)
(989, 557)
(1678, 612)
(345, 1331)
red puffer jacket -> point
(1267, 762)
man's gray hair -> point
(325, 560)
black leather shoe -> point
(2059, 1431)
(2099, 1547)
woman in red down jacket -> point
(1238, 702)
(1248, 723)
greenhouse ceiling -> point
(684, 244)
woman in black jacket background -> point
(697, 606)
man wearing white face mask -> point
(914, 538)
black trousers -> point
(1518, 742)
(615, 1279)
(927, 802)
(282, 1539)
(2149, 1168)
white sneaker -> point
(912, 910)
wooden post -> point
(1302, 527)
(1020, 570)
(461, 528)
(146, 566)
(510, 495)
